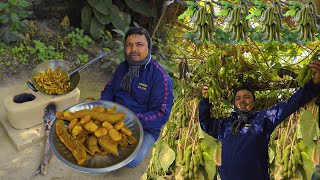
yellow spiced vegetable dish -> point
(53, 81)
(93, 132)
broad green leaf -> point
(104, 6)
(209, 166)
(217, 154)
(86, 16)
(102, 18)
(188, 12)
(299, 134)
(3, 19)
(93, 3)
(7, 36)
(167, 65)
(109, 34)
(14, 17)
(86, 26)
(225, 3)
(250, 16)
(294, 3)
(200, 132)
(120, 20)
(119, 32)
(144, 176)
(167, 157)
(24, 4)
(258, 3)
(291, 12)
(257, 12)
(18, 35)
(308, 165)
(86, 13)
(190, 3)
(308, 127)
(13, 2)
(155, 154)
(200, 175)
(315, 156)
(3, 6)
(24, 14)
(135, 24)
(141, 7)
(271, 155)
(96, 28)
(308, 149)
(160, 178)
(120, 43)
(211, 143)
(223, 12)
(118, 61)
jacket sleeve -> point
(159, 105)
(108, 92)
(282, 110)
(208, 124)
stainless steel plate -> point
(100, 164)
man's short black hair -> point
(140, 31)
(243, 87)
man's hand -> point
(205, 91)
(315, 66)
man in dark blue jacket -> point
(143, 86)
(246, 133)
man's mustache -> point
(134, 54)
(243, 103)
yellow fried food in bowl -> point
(90, 132)
(95, 115)
(126, 131)
(73, 145)
(90, 126)
(107, 125)
(101, 131)
(115, 134)
(99, 109)
(53, 81)
(119, 125)
(92, 140)
(109, 145)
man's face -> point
(136, 47)
(244, 100)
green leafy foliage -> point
(255, 63)
(36, 51)
(308, 126)
(11, 15)
(83, 58)
(167, 157)
(112, 44)
(308, 167)
(209, 165)
(20, 54)
(77, 38)
(141, 7)
(120, 20)
(99, 13)
(43, 52)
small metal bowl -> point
(100, 164)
